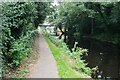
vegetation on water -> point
(70, 64)
(99, 20)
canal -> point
(102, 54)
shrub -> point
(76, 53)
(16, 17)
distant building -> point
(48, 27)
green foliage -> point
(80, 64)
(73, 17)
(20, 49)
(76, 54)
(43, 9)
(64, 68)
(88, 19)
(16, 16)
(18, 27)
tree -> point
(18, 23)
(98, 20)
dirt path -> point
(46, 65)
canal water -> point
(102, 54)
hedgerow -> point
(18, 27)
(16, 17)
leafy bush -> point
(18, 28)
(18, 25)
(76, 53)
(16, 17)
(20, 49)
(77, 56)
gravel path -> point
(46, 65)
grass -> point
(64, 63)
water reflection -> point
(102, 54)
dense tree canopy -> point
(98, 20)
(19, 19)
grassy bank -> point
(67, 66)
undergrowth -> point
(60, 50)
(21, 49)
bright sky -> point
(55, 2)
